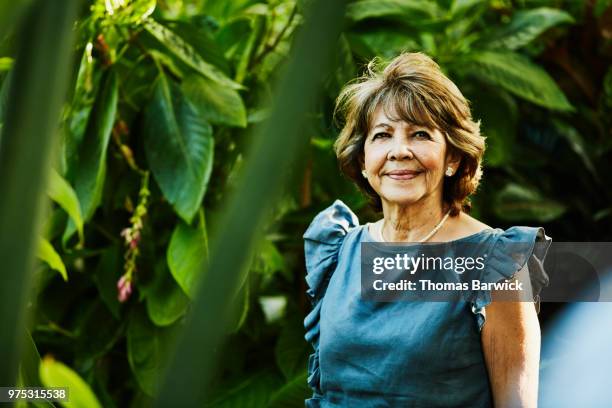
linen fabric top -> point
(398, 354)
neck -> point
(411, 222)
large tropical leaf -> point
(498, 113)
(179, 148)
(148, 348)
(519, 203)
(292, 394)
(166, 302)
(578, 144)
(185, 256)
(186, 53)
(291, 349)
(90, 172)
(518, 75)
(216, 103)
(398, 9)
(253, 392)
(526, 26)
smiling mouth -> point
(403, 175)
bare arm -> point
(511, 346)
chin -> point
(401, 198)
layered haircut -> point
(411, 88)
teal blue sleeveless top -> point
(398, 354)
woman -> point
(409, 142)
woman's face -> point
(405, 163)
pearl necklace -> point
(431, 233)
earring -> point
(449, 171)
(364, 173)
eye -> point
(380, 135)
(422, 135)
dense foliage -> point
(164, 98)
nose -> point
(400, 151)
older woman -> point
(409, 142)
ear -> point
(453, 159)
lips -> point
(402, 174)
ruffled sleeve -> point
(510, 252)
(322, 242)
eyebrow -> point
(383, 125)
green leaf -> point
(577, 144)
(253, 392)
(292, 394)
(239, 308)
(520, 203)
(91, 169)
(607, 89)
(4, 95)
(201, 36)
(47, 253)
(166, 302)
(224, 10)
(148, 349)
(187, 54)
(526, 26)
(10, 13)
(518, 75)
(218, 104)
(460, 7)
(108, 272)
(122, 12)
(498, 113)
(601, 6)
(6, 63)
(185, 256)
(84, 96)
(267, 261)
(247, 48)
(30, 361)
(55, 374)
(399, 9)
(62, 193)
(179, 148)
(261, 180)
(291, 349)
(388, 43)
(97, 331)
(36, 96)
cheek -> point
(374, 157)
(430, 159)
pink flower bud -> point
(124, 289)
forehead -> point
(404, 102)
(385, 116)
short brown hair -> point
(412, 88)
